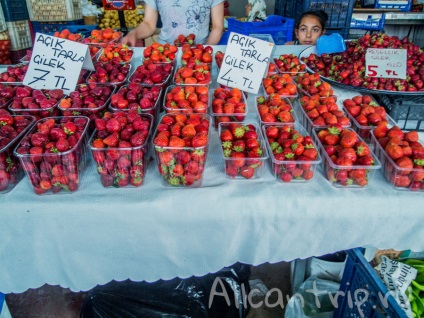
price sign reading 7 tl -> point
(388, 63)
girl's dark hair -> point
(321, 15)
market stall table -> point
(96, 235)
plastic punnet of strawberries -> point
(119, 147)
(293, 153)
(11, 129)
(150, 73)
(402, 156)
(348, 160)
(53, 153)
(228, 105)
(243, 149)
(181, 142)
(274, 108)
(186, 99)
(136, 97)
(349, 67)
(35, 102)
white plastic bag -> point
(314, 299)
(88, 9)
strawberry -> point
(199, 140)
(69, 128)
(112, 140)
(247, 172)
(238, 159)
(62, 145)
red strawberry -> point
(62, 145)
(200, 140)
(112, 140)
(247, 172)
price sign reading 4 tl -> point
(388, 63)
(245, 62)
(56, 63)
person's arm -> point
(144, 29)
(217, 17)
(289, 43)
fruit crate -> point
(11, 171)
(20, 35)
(291, 171)
(3, 26)
(54, 10)
(14, 10)
(371, 22)
(247, 166)
(279, 27)
(401, 5)
(339, 11)
(55, 172)
(401, 178)
(361, 282)
(406, 110)
(51, 27)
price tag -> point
(56, 63)
(388, 63)
(245, 62)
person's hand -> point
(130, 39)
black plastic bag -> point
(196, 297)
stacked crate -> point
(17, 24)
(49, 16)
(339, 12)
(4, 41)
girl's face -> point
(248, 8)
(309, 30)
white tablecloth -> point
(96, 235)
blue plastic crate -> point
(396, 5)
(339, 11)
(51, 27)
(372, 23)
(84, 30)
(224, 38)
(14, 10)
(280, 28)
(361, 280)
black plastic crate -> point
(406, 110)
(14, 10)
(339, 11)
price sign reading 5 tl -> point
(388, 63)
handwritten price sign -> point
(245, 62)
(56, 63)
(388, 63)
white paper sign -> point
(388, 63)
(397, 277)
(56, 63)
(246, 60)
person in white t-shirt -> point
(181, 17)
